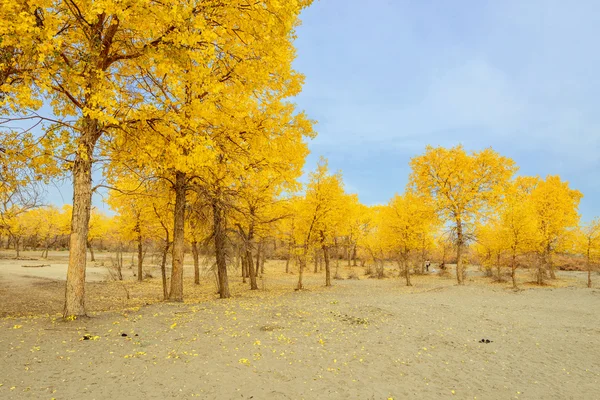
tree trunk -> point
(250, 268)
(244, 265)
(459, 246)
(540, 269)
(349, 252)
(327, 269)
(258, 261)
(245, 273)
(89, 246)
(287, 261)
(354, 255)
(45, 252)
(316, 262)
(262, 259)
(17, 249)
(163, 268)
(513, 273)
(140, 255)
(498, 268)
(219, 235)
(407, 273)
(176, 293)
(80, 218)
(119, 262)
(301, 267)
(550, 263)
(589, 268)
(196, 257)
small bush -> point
(353, 275)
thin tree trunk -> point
(196, 257)
(316, 260)
(262, 259)
(513, 273)
(91, 249)
(250, 268)
(301, 267)
(406, 271)
(17, 249)
(119, 262)
(327, 269)
(45, 252)
(289, 256)
(423, 259)
(219, 235)
(248, 256)
(244, 266)
(589, 268)
(176, 292)
(540, 270)
(80, 218)
(245, 270)
(349, 252)
(257, 270)
(498, 268)
(140, 255)
(354, 255)
(459, 246)
(550, 264)
(163, 267)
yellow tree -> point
(98, 228)
(462, 186)
(99, 63)
(20, 174)
(517, 222)
(354, 220)
(372, 241)
(212, 108)
(588, 243)
(50, 226)
(489, 246)
(137, 202)
(556, 212)
(319, 213)
(198, 230)
(82, 57)
(406, 221)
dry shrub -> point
(567, 262)
(353, 275)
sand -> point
(365, 339)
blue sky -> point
(386, 78)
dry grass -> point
(37, 296)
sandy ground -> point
(365, 339)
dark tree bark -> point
(140, 251)
(258, 261)
(220, 238)
(80, 218)
(327, 268)
(287, 261)
(513, 270)
(91, 249)
(163, 268)
(459, 249)
(176, 292)
(196, 257)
